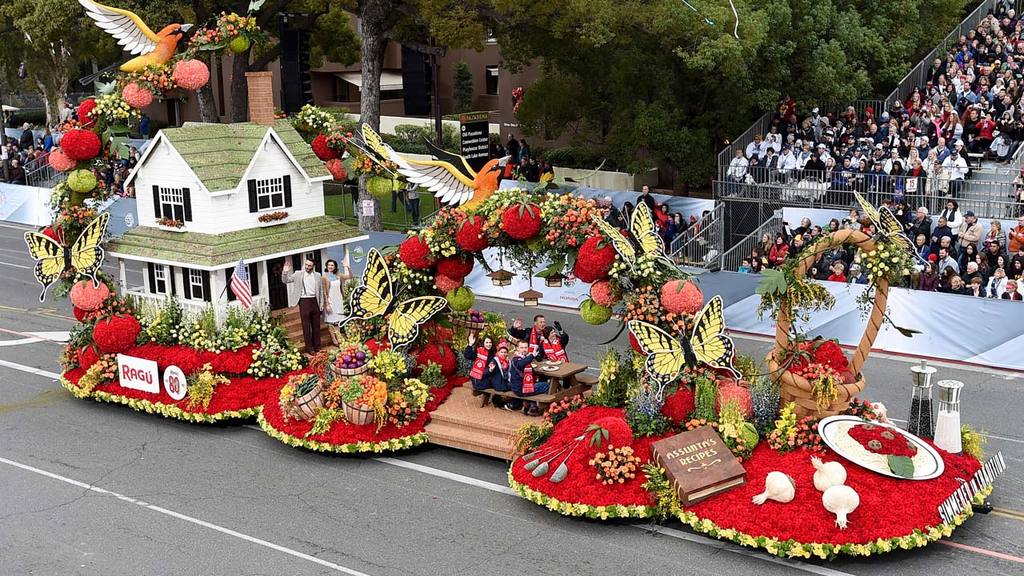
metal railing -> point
(340, 199)
(44, 176)
(702, 244)
(733, 257)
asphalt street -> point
(89, 488)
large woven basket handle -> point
(839, 238)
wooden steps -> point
(292, 325)
(460, 422)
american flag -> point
(240, 284)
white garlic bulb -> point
(841, 501)
(827, 474)
(778, 487)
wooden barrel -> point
(358, 415)
(307, 405)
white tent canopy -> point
(388, 80)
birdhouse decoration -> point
(531, 297)
(501, 277)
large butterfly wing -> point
(375, 293)
(891, 228)
(49, 257)
(619, 242)
(665, 356)
(646, 233)
(710, 344)
(870, 211)
(404, 322)
(86, 253)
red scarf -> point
(528, 379)
(503, 364)
(554, 351)
(479, 364)
(535, 340)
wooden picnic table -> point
(559, 377)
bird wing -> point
(129, 30)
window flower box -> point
(272, 218)
(170, 224)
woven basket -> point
(305, 407)
(798, 389)
(358, 415)
(335, 372)
(477, 326)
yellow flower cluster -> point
(113, 109)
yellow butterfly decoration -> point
(53, 259)
(375, 297)
(708, 344)
(886, 224)
(642, 229)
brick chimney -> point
(261, 97)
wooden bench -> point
(542, 400)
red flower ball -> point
(619, 433)
(521, 222)
(375, 346)
(321, 149)
(681, 297)
(85, 108)
(116, 333)
(830, 354)
(60, 161)
(440, 354)
(455, 267)
(415, 253)
(679, 405)
(87, 356)
(80, 314)
(337, 169)
(137, 96)
(594, 260)
(446, 284)
(470, 236)
(604, 293)
(54, 233)
(88, 297)
(80, 145)
(190, 74)
(732, 391)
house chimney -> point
(261, 97)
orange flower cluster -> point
(569, 220)
(157, 79)
(643, 304)
(616, 465)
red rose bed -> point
(893, 513)
(345, 437)
(242, 398)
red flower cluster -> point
(521, 222)
(882, 440)
(440, 354)
(679, 405)
(337, 169)
(604, 293)
(85, 109)
(60, 161)
(415, 253)
(116, 333)
(87, 356)
(446, 284)
(137, 95)
(191, 74)
(681, 297)
(80, 145)
(560, 410)
(455, 267)
(470, 236)
(827, 353)
(730, 390)
(594, 260)
(321, 149)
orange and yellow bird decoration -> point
(155, 49)
(448, 175)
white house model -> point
(201, 191)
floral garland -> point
(165, 410)
(390, 445)
(578, 509)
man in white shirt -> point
(738, 167)
(957, 167)
(753, 151)
(787, 164)
(311, 300)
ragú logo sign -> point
(138, 374)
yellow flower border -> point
(793, 549)
(392, 445)
(165, 410)
(577, 508)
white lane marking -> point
(32, 337)
(468, 480)
(15, 265)
(19, 341)
(190, 519)
(29, 369)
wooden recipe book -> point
(699, 464)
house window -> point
(172, 203)
(196, 284)
(492, 80)
(160, 279)
(270, 193)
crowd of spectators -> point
(958, 253)
(670, 224)
(918, 149)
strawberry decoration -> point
(521, 221)
(455, 267)
(321, 149)
(594, 260)
(470, 236)
(415, 253)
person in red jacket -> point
(838, 272)
(986, 126)
(779, 252)
(480, 356)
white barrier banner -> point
(569, 295)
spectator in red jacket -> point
(780, 250)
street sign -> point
(475, 132)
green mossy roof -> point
(219, 250)
(220, 153)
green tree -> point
(463, 88)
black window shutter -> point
(152, 277)
(227, 278)
(186, 198)
(254, 279)
(186, 275)
(287, 191)
(252, 197)
(156, 202)
(206, 286)
(170, 280)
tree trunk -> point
(204, 97)
(376, 19)
(239, 87)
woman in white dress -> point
(333, 282)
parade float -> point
(784, 455)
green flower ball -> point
(239, 44)
(594, 313)
(381, 186)
(461, 299)
(81, 181)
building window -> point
(492, 80)
(195, 284)
(160, 279)
(270, 193)
(172, 204)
